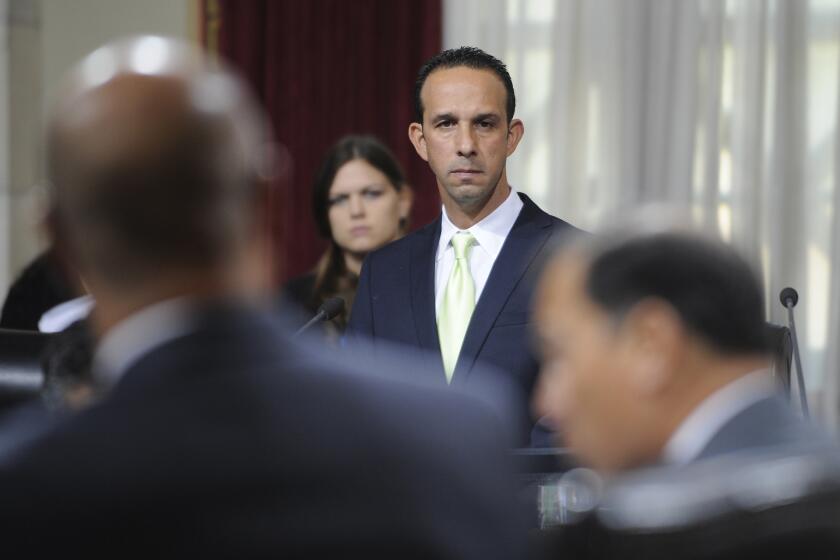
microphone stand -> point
(328, 310)
(789, 299)
(317, 318)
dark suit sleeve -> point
(360, 325)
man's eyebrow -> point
(444, 117)
(486, 117)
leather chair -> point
(780, 346)
(21, 373)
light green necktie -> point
(458, 303)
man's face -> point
(585, 389)
(465, 135)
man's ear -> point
(418, 140)
(515, 132)
(654, 341)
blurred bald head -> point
(157, 162)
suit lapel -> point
(528, 235)
(422, 272)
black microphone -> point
(789, 299)
(328, 310)
(789, 295)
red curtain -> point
(325, 68)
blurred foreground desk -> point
(775, 504)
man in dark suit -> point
(216, 435)
(461, 286)
(655, 367)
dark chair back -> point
(780, 345)
(21, 374)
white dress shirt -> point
(698, 429)
(136, 335)
(58, 318)
(490, 234)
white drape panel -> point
(727, 107)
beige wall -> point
(42, 39)
(71, 29)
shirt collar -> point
(133, 337)
(65, 314)
(698, 429)
(490, 233)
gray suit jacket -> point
(765, 425)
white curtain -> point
(728, 107)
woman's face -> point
(364, 208)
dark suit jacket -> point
(396, 298)
(233, 442)
(42, 285)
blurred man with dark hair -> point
(655, 372)
(654, 351)
(217, 436)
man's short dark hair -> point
(471, 57)
(715, 292)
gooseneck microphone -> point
(789, 296)
(328, 310)
(789, 299)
